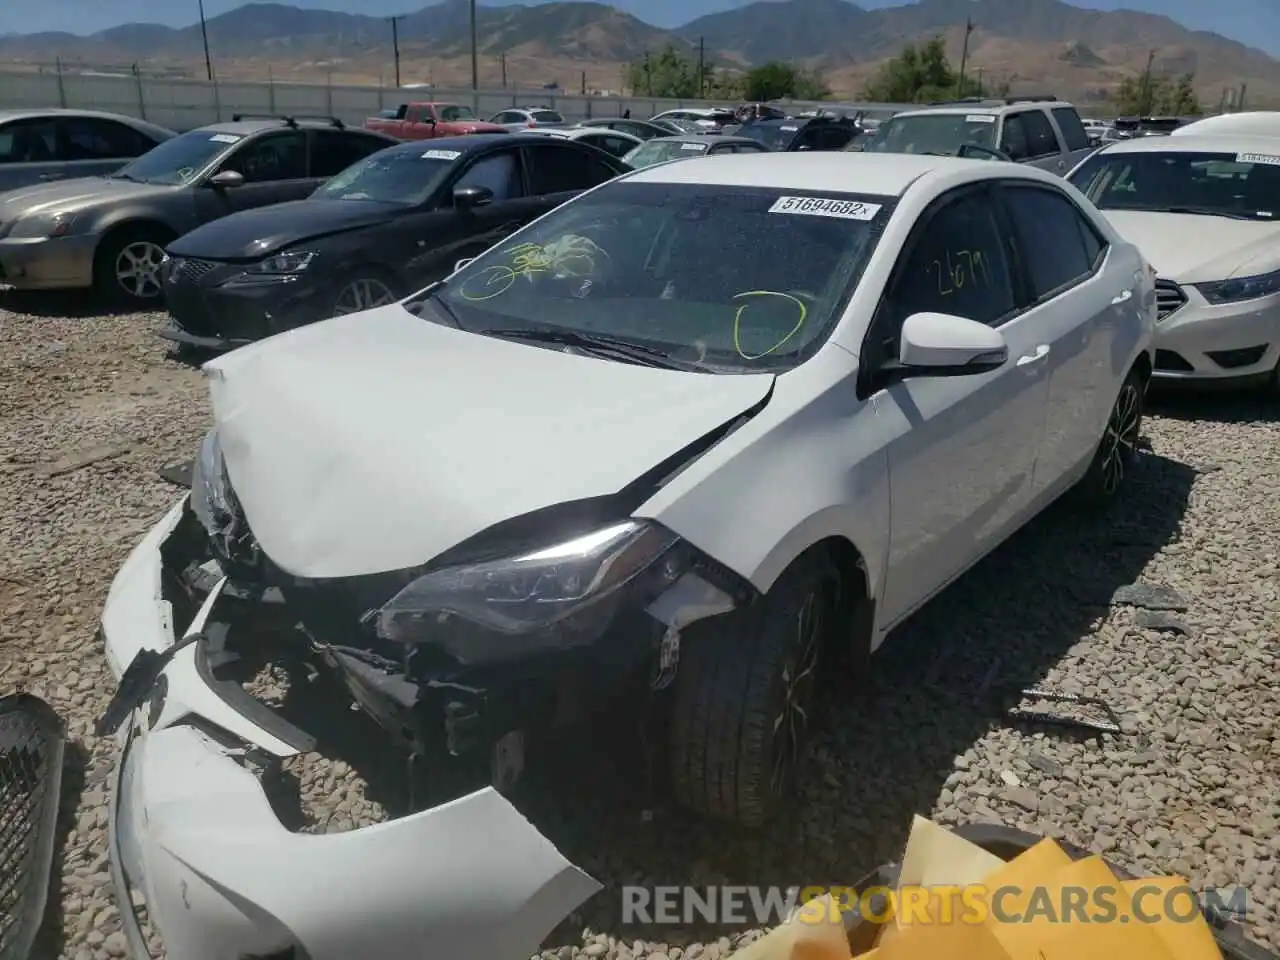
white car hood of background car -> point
(1190, 248)
(375, 441)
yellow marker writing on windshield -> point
(569, 256)
(737, 321)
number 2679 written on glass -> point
(960, 268)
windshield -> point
(452, 112)
(179, 159)
(933, 133)
(738, 279)
(659, 151)
(1215, 184)
(775, 136)
(396, 175)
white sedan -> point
(668, 445)
(616, 143)
(1205, 211)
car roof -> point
(984, 107)
(25, 114)
(1205, 143)
(250, 126)
(470, 142)
(882, 174)
(703, 138)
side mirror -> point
(942, 345)
(226, 180)
(466, 199)
(462, 263)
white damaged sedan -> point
(672, 444)
(1205, 211)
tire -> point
(137, 249)
(728, 756)
(1117, 451)
(365, 289)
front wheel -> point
(127, 267)
(364, 292)
(744, 698)
(1117, 452)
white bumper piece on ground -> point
(193, 835)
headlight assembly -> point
(536, 590)
(1241, 288)
(210, 492)
(42, 226)
(280, 266)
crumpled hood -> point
(376, 441)
(1189, 248)
(265, 230)
(71, 196)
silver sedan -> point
(38, 146)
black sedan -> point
(815, 133)
(386, 226)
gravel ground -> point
(1192, 786)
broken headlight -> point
(210, 491)
(530, 592)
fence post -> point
(142, 99)
(62, 85)
(217, 97)
(271, 91)
(328, 93)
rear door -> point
(329, 152)
(1075, 138)
(1044, 150)
(1078, 307)
(29, 153)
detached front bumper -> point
(193, 836)
(1231, 345)
(47, 263)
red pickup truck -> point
(426, 121)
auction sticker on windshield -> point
(225, 138)
(442, 155)
(979, 118)
(1265, 158)
(788, 129)
(826, 207)
(694, 146)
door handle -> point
(46, 177)
(1121, 298)
(1042, 351)
(1062, 164)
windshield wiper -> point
(599, 344)
(1199, 211)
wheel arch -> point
(125, 224)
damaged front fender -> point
(193, 834)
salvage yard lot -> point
(90, 408)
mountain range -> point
(1078, 51)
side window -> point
(748, 148)
(1053, 246)
(958, 266)
(560, 169)
(1073, 131)
(86, 138)
(1041, 140)
(276, 156)
(332, 151)
(835, 138)
(29, 141)
(507, 116)
(498, 172)
(810, 139)
(1013, 139)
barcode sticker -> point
(826, 207)
(225, 138)
(979, 118)
(441, 155)
(1265, 158)
(694, 146)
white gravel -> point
(1192, 787)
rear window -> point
(775, 136)
(547, 116)
(1234, 185)
(659, 151)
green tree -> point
(919, 74)
(1183, 101)
(1157, 96)
(673, 74)
(778, 81)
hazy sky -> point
(1252, 21)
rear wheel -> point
(744, 698)
(127, 266)
(1117, 452)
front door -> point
(274, 167)
(962, 450)
(1079, 305)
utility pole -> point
(204, 35)
(702, 69)
(648, 75)
(1145, 102)
(502, 61)
(475, 63)
(1240, 104)
(964, 55)
(395, 43)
